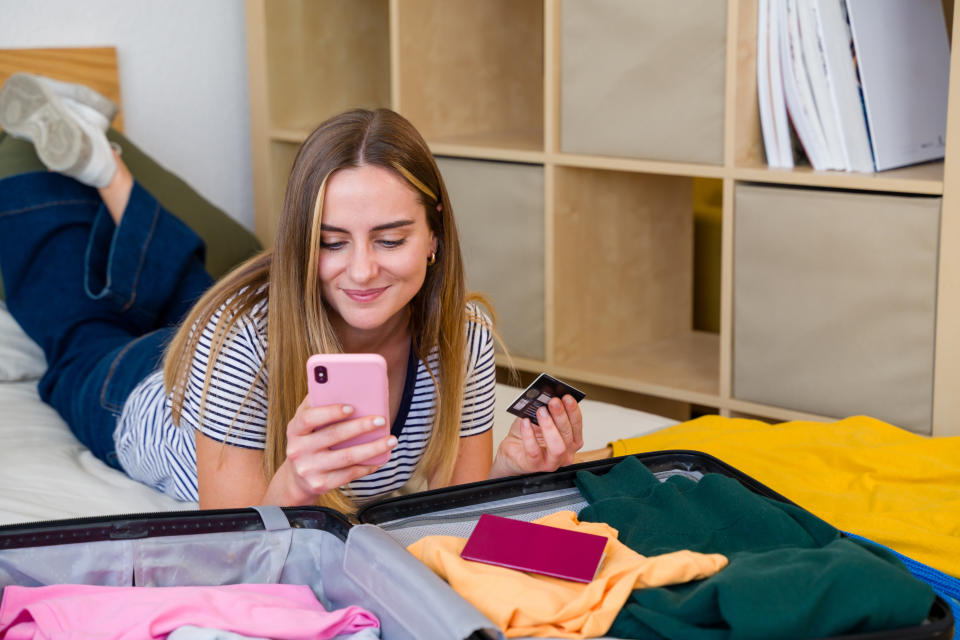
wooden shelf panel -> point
(688, 362)
(636, 165)
(679, 410)
(491, 144)
(455, 147)
(777, 413)
(623, 260)
(295, 135)
(465, 68)
(499, 154)
(924, 178)
(326, 56)
(281, 159)
(684, 368)
(637, 384)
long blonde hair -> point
(288, 277)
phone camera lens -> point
(320, 374)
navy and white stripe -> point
(152, 450)
(235, 409)
(479, 401)
(149, 448)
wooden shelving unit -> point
(486, 82)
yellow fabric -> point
(525, 604)
(859, 474)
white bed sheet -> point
(46, 474)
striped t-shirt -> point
(154, 451)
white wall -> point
(183, 80)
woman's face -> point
(374, 245)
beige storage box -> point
(499, 212)
(835, 302)
(643, 79)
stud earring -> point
(432, 259)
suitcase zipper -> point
(569, 497)
(131, 526)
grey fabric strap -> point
(273, 517)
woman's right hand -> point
(312, 467)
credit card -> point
(538, 394)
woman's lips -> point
(364, 295)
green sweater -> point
(791, 575)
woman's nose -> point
(363, 265)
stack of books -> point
(853, 85)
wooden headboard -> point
(95, 67)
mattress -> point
(45, 473)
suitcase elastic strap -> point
(273, 517)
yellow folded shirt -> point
(859, 474)
(525, 604)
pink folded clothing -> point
(79, 612)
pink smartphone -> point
(357, 379)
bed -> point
(45, 473)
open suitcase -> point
(455, 510)
(345, 564)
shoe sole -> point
(29, 110)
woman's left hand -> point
(529, 447)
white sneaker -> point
(88, 113)
(64, 139)
(98, 108)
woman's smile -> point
(364, 295)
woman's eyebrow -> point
(379, 227)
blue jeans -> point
(101, 300)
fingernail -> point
(346, 409)
(569, 400)
(392, 441)
(379, 421)
(542, 412)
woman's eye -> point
(392, 244)
(332, 246)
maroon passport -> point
(537, 548)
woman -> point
(366, 259)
